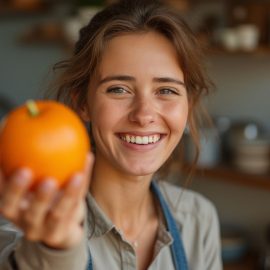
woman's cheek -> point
(177, 117)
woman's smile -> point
(141, 143)
(140, 139)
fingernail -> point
(26, 201)
(23, 177)
(48, 185)
(24, 204)
(25, 173)
(77, 180)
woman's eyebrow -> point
(117, 78)
(169, 80)
(131, 78)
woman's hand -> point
(47, 214)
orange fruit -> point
(45, 136)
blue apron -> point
(177, 249)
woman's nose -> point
(143, 112)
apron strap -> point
(90, 263)
(177, 248)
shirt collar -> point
(98, 222)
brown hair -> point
(134, 17)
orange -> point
(45, 136)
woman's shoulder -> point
(197, 220)
(9, 237)
(8, 231)
(183, 201)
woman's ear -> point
(80, 107)
(84, 113)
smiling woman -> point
(130, 96)
(136, 78)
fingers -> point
(66, 232)
(35, 212)
(47, 214)
(68, 199)
(1, 182)
(67, 214)
(77, 218)
(52, 212)
(13, 192)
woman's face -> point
(137, 104)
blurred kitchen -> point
(234, 166)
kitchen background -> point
(234, 170)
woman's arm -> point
(50, 221)
(16, 252)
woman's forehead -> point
(149, 50)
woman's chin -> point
(141, 170)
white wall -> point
(24, 69)
(243, 86)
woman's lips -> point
(140, 139)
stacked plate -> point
(250, 148)
(253, 156)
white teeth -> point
(145, 140)
(141, 139)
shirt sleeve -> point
(212, 246)
(18, 253)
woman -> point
(135, 78)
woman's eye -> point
(117, 90)
(168, 91)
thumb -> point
(1, 182)
(88, 169)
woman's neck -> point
(127, 200)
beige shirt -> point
(194, 214)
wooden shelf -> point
(235, 176)
(250, 262)
(43, 34)
(231, 175)
(9, 10)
